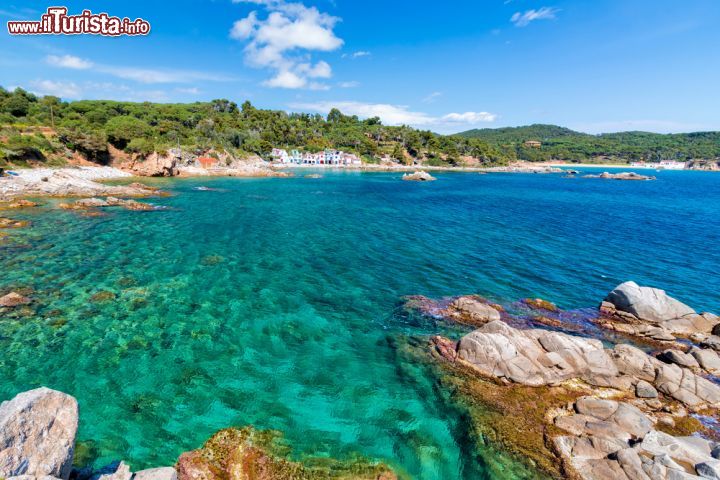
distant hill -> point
(537, 131)
(560, 143)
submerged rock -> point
(93, 203)
(37, 434)
(14, 299)
(540, 304)
(10, 223)
(20, 203)
(250, 454)
(420, 176)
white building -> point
(661, 165)
(280, 155)
(326, 157)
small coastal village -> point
(324, 157)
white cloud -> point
(67, 90)
(142, 75)
(278, 41)
(149, 75)
(68, 61)
(189, 91)
(319, 70)
(523, 19)
(397, 114)
(470, 117)
(432, 97)
(358, 54)
(96, 90)
(351, 84)
(286, 79)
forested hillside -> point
(89, 127)
(46, 130)
(560, 143)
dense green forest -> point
(89, 126)
(47, 130)
(560, 143)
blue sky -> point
(592, 65)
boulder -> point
(420, 176)
(115, 471)
(647, 304)
(708, 359)
(472, 310)
(611, 440)
(650, 312)
(644, 389)
(14, 299)
(536, 357)
(162, 473)
(709, 469)
(37, 434)
(678, 358)
(620, 176)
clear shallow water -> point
(273, 302)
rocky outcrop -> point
(616, 441)
(20, 203)
(37, 434)
(67, 182)
(472, 310)
(14, 299)
(539, 357)
(536, 357)
(248, 454)
(10, 223)
(420, 176)
(621, 176)
(155, 165)
(650, 312)
(94, 203)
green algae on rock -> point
(249, 454)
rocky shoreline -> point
(579, 409)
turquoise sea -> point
(275, 302)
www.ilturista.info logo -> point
(57, 22)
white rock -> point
(163, 473)
(37, 434)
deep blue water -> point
(273, 302)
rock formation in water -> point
(621, 176)
(650, 312)
(94, 203)
(14, 299)
(420, 176)
(605, 413)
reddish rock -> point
(540, 304)
(444, 347)
(13, 299)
